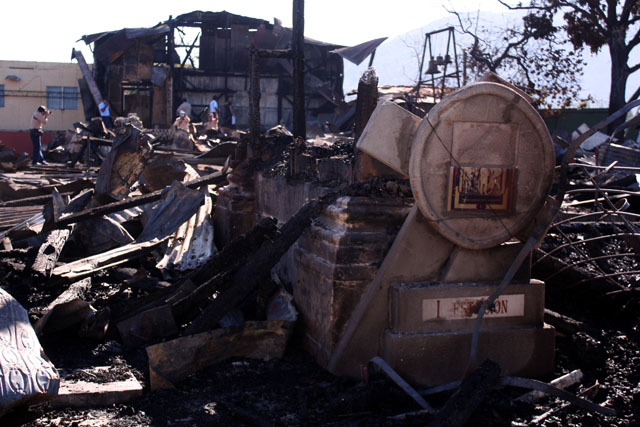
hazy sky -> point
(40, 30)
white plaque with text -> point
(467, 307)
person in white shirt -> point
(213, 108)
(105, 114)
(38, 120)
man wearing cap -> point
(38, 120)
(182, 122)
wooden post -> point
(367, 100)
(254, 104)
(366, 166)
(170, 49)
(299, 116)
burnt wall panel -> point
(240, 42)
(113, 87)
(207, 48)
(221, 40)
(138, 62)
(161, 115)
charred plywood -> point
(138, 62)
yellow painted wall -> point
(23, 97)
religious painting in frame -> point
(481, 189)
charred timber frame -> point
(254, 100)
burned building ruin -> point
(201, 56)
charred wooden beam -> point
(367, 100)
(119, 255)
(229, 258)
(563, 324)
(254, 104)
(86, 73)
(9, 191)
(275, 53)
(50, 250)
(29, 201)
(189, 49)
(299, 116)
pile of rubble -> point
(117, 261)
(128, 249)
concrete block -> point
(325, 294)
(333, 169)
(281, 198)
(84, 394)
(430, 359)
(302, 164)
(370, 250)
(388, 134)
(438, 307)
(235, 214)
(369, 212)
(335, 260)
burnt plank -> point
(50, 250)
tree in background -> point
(530, 53)
(595, 24)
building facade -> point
(25, 85)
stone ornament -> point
(25, 372)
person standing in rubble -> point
(227, 119)
(185, 106)
(213, 108)
(182, 122)
(38, 120)
(105, 114)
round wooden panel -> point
(481, 165)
